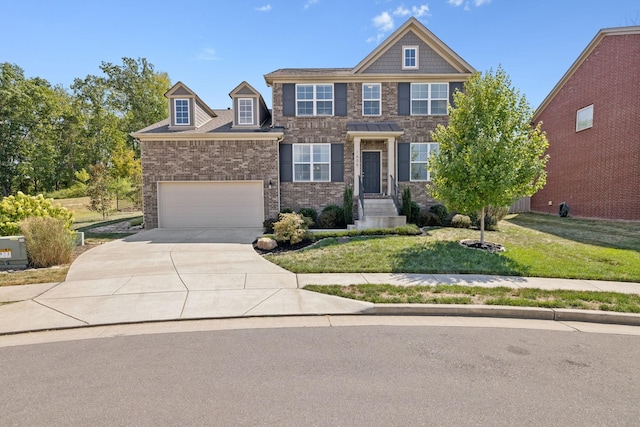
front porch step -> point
(380, 213)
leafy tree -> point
(490, 154)
(120, 187)
(99, 190)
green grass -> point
(86, 218)
(537, 245)
(457, 294)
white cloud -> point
(384, 22)
(208, 54)
(310, 3)
(265, 8)
(467, 4)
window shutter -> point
(404, 99)
(337, 162)
(340, 93)
(289, 100)
(404, 161)
(286, 163)
(453, 86)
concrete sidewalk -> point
(211, 295)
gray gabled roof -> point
(373, 127)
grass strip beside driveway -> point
(458, 294)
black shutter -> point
(340, 94)
(337, 162)
(404, 99)
(286, 162)
(453, 86)
(289, 100)
(404, 161)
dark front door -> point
(371, 171)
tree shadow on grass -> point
(452, 258)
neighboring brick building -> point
(368, 127)
(592, 121)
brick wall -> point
(208, 161)
(597, 170)
(334, 130)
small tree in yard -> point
(99, 190)
(490, 154)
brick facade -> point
(333, 129)
(596, 170)
(208, 161)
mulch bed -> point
(486, 246)
(283, 247)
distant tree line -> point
(54, 138)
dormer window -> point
(409, 57)
(245, 111)
(182, 112)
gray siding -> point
(428, 60)
(201, 116)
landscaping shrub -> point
(268, 225)
(498, 213)
(429, 219)
(415, 213)
(332, 216)
(405, 209)
(441, 212)
(286, 210)
(347, 204)
(310, 213)
(76, 190)
(291, 228)
(14, 209)
(49, 241)
(461, 221)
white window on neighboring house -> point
(311, 162)
(409, 57)
(371, 99)
(181, 109)
(584, 118)
(420, 152)
(314, 100)
(245, 111)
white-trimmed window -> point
(420, 153)
(312, 162)
(371, 99)
(584, 118)
(245, 111)
(314, 100)
(429, 99)
(409, 57)
(181, 109)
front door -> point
(371, 172)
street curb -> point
(555, 314)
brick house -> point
(592, 121)
(367, 127)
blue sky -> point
(212, 46)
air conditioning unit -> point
(13, 252)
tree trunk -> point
(482, 225)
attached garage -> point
(216, 204)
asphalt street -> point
(326, 376)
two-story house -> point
(367, 127)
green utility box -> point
(13, 252)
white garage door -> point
(210, 204)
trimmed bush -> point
(332, 216)
(405, 209)
(347, 204)
(268, 225)
(429, 219)
(286, 210)
(415, 213)
(49, 241)
(310, 213)
(291, 228)
(14, 209)
(461, 221)
(441, 212)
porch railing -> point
(394, 193)
(360, 198)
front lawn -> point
(536, 245)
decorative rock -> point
(266, 244)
